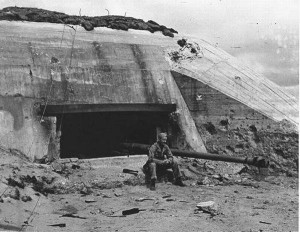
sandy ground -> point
(98, 192)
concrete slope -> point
(223, 72)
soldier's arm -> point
(152, 151)
(169, 153)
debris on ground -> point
(144, 199)
(59, 225)
(209, 207)
(265, 222)
(125, 170)
(89, 200)
(79, 193)
(72, 216)
(131, 211)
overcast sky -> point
(262, 33)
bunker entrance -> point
(88, 133)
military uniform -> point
(160, 156)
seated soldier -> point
(160, 156)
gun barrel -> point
(255, 161)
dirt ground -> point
(90, 195)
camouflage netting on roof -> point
(89, 23)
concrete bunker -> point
(96, 130)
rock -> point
(84, 190)
(15, 194)
(250, 184)
(204, 181)
(59, 225)
(226, 177)
(187, 175)
(54, 60)
(15, 182)
(144, 199)
(26, 198)
(118, 193)
(193, 169)
(244, 169)
(209, 207)
(90, 200)
(57, 167)
(48, 179)
(75, 166)
(181, 42)
(218, 177)
(106, 196)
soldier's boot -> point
(179, 182)
(152, 184)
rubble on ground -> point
(279, 146)
(74, 189)
(64, 176)
(88, 23)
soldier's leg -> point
(152, 167)
(176, 172)
(175, 167)
(146, 170)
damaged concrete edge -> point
(185, 119)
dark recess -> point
(92, 135)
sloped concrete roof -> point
(225, 73)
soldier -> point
(160, 156)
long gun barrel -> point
(255, 161)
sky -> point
(264, 34)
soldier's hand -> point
(166, 161)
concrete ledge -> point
(120, 162)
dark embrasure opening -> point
(93, 135)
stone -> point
(204, 181)
(209, 207)
(26, 198)
(90, 200)
(187, 175)
(15, 194)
